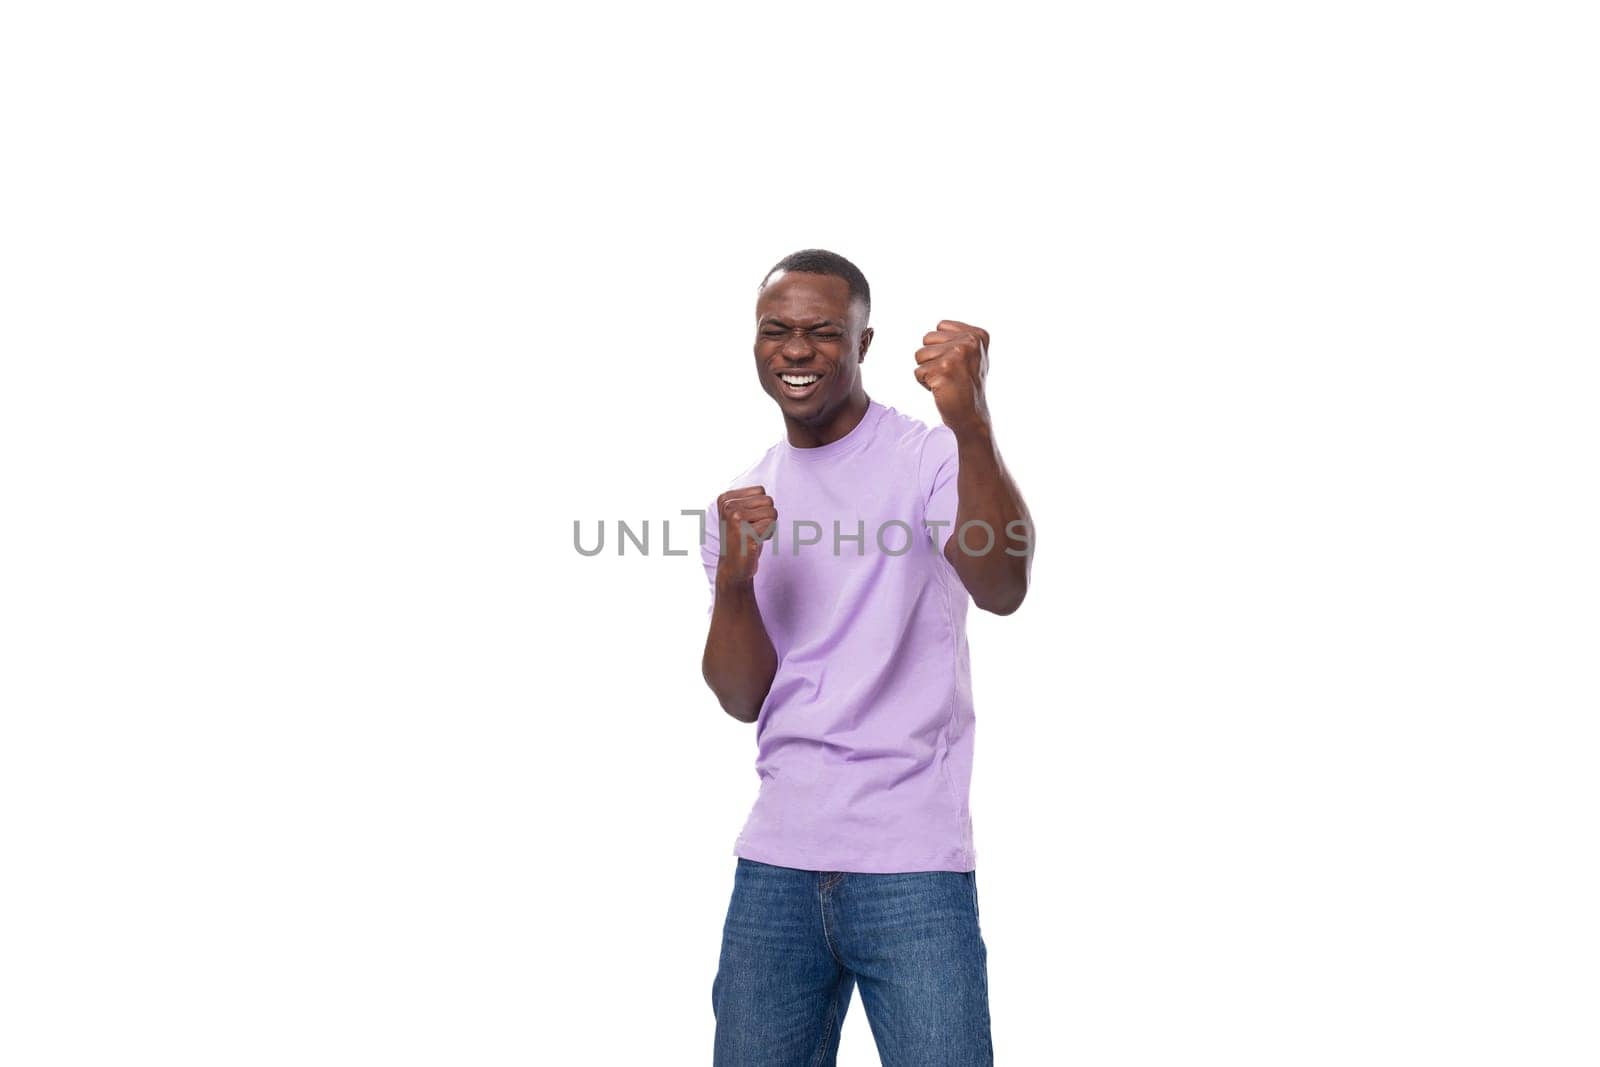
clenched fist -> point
(739, 512)
(951, 364)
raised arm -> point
(739, 661)
(994, 559)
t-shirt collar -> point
(858, 435)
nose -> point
(796, 348)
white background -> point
(321, 324)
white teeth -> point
(799, 379)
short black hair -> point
(821, 261)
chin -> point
(811, 409)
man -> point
(842, 636)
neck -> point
(846, 418)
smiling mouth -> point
(799, 384)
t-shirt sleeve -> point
(940, 465)
(710, 549)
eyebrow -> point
(773, 321)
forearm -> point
(739, 661)
(989, 499)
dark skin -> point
(807, 324)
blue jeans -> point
(797, 942)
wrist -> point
(974, 431)
(734, 584)
(969, 419)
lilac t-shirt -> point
(864, 743)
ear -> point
(866, 339)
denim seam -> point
(827, 936)
(827, 1030)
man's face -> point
(810, 341)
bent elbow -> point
(1004, 603)
(736, 709)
